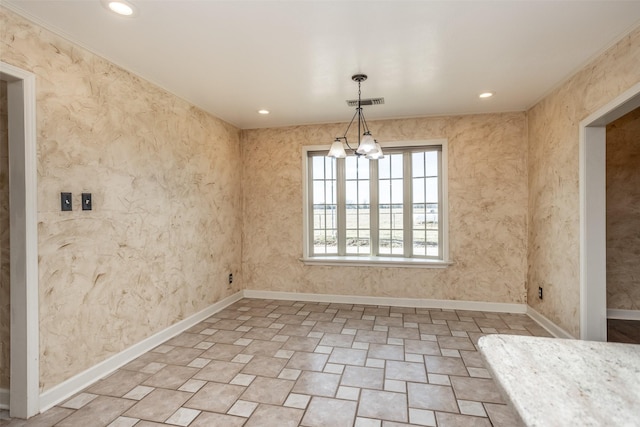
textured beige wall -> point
(166, 226)
(623, 212)
(487, 203)
(4, 241)
(554, 241)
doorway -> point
(24, 334)
(593, 263)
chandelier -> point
(367, 146)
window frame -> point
(381, 260)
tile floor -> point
(285, 363)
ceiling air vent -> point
(369, 101)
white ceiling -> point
(296, 58)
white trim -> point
(4, 398)
(613, 313)
(551, 327)
(361, 261)
(24, 381)
(593, 281)
(389, 301)
(73, 385)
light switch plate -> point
(86, 201)
(65, 202)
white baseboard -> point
(551, 327)
(613, 313)
(66, 389)
(389, 301)
(4, 398)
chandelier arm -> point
(350, 123)
(364, 122)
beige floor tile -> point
(242, 408)
(295, 330)
(265, 366)
(258, 333)
(366, 325)
(377, 337)
(308, 361)
(262, 348)
(477, 389)
(209, 419)
(405, 333)
(502, 415)
(386, 351)
(455, 420)
(219, 371)
(299, 401)
(472, 359)
(421, 347)
(336, 340)
(100, 411)
(118, 384)
(301, 344)
(186, 339)
(388, 321)
(324, 412)
(456, 343)
(183, 417)
(225, 337)
(383, 405)
(445, 365)
(158, 405)
(405, 371)
(433, 397)
(46, 419)
(362, 377)
(123, 422)
(79, 401)
(268, 390)
(317, 384)
(348, 356)
(275, 416)
(434, 329)
(328, 327)
(171, 377)
(180, 356)
(215, 397)
(224, 352)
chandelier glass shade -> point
(367, 145)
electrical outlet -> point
(230, 278)
(540, 292)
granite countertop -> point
(559, 382)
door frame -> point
(23, 217)
(593, 215)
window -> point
(391, 210)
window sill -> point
(358, 261)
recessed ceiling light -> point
(486, 95)
(121, 7)
(263, 111)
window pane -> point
(397, 192)
(418, 190)
(431, 159)
(432, 243)
(351, 168)
(384, 190)
(396, 165)
(318, 167)
(318, 192)
(417, 164)
(384, 167)
(432, 190)
(329, 168)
